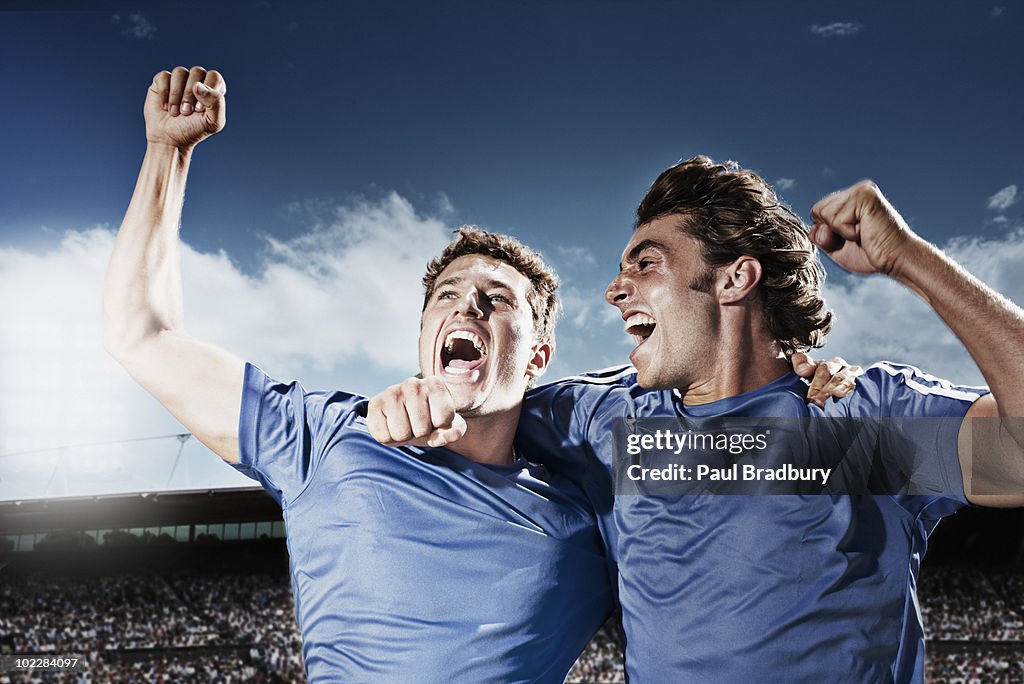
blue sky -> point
(360, 134)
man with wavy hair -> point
(777, 579)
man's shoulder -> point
(260, 387)
(917, 380)
(890, 388)
(583, 390)
(624, 376)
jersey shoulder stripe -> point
(923, 383)
(605, 376)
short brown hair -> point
(733, 212)
(543, 294)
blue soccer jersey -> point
(794, 588)
(419, 565)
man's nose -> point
(619, 290)
(469, 305)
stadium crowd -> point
(959, 605)
(975, 666)
(227, 628)
(209, 628)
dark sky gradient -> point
(533, 117)
(544, 119)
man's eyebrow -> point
(450, 280)
(644, 244)
(499, 284)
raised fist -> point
(184, 106)
(860, 230)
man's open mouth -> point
(463, 352)
(640, 327)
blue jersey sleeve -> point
(919, 417)
(567, 426)
(283, 431)
(559, 418)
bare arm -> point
(863, 233)
(992, 329)
(143, 314)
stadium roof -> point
(147, 509)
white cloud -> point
(1004, 199)
(69, 392)
(998, 11)
(445, 205)
(138, 26)
(347, 291)
(784, 183)
(583, 308)
(881, 320)
(836, 29)
(575, 256)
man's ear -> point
(539, 361)
(736, 281)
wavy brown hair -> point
(543, 294)
(733, 212)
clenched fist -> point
(418, 411)
(184, 106)
(861, 231)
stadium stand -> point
(193, 586)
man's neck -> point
(743, 358)
(733, 379)
(488, 439)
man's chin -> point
(468, 400)
(477, 405)
(648, 379)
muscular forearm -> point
(865, 234)
(990, 326)
(142, 294)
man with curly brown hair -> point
(467, 564)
